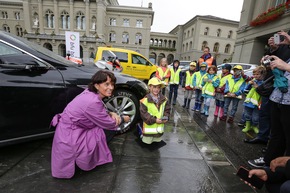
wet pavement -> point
(198, 154)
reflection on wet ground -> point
(191, 158)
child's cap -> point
(227, 66)
(238, 67)
(192, 64)
(155, 81)
(203, 64)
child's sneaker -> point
(257, 163)
(230, 120)
(223, 118)
(241, 124)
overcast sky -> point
(169, 14)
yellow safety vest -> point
(253, 97)
(235, 86)
(188, 81)
(223, 80)
(153, 110)
(198, 79)
(174, 76)
(163, 74)
(208, 88)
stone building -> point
(254, 30)
(106, 23)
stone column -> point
(71, 15)
(27, 16)
(56, 17)
(101, 15)
(87, 15)
(41, 16)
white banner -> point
(72, 42)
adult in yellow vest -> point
(187, 85)
(235, 86)
(219, 91)
(196, 83)
(206, 57)
(209, 82)
(253, 100)
(163, 73)
(154, 111)
(174, 81)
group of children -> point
(225, 88)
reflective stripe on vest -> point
(153, 110)
(253, 97)
(208, 88)
(188, 81)
(198, 79)
(174, 76)
(235, 86)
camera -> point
(267, 61)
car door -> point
(141, 67)
(28, 88)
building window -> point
(216, 47)
(17, 15)
(112, 37)
(139, 23)
(228, 48)
(65, 20)
(151, 42)
(138, 39)
(113, 21)
(6, 28)
(204, 44)
(47, 46)
(192, 30)
(206, 31)
(19, 31)
(125, 38)
(278, 2)
(126, 23)
(218, 33)
(49, 16)
(230, 34)
(94, 23)
(4, 15)
(80, 19)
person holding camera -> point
(267, 120)
(155, 112)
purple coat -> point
(79, 137)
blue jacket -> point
(241, 89)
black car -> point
(36, 84)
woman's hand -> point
(126, 118)
(116, 117)
(280, 64)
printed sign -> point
(72, 42)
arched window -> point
(186, 47)
(155, 42)
(19, 31)
(62, 50)
(228, 48)
(165, 43)
(204, 44)
(160, 43)
(48, 46)
(138, 39)
(151, 42)
(6, 28)
(125, 38)
(218, 33)
(35, 19)
(192, 30)
(112, 36)
(80, 19)
(206, 30)
(216, 47)
(230, 34)
(49, 17)
(65, 23)
(190, 45)
(173, 44)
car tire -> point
(124, 103)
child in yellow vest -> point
(235, 86)
(154, 111)
(163, 73)
(253, 100)
(187, 85)
(209, 82)
(174, 81)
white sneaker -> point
(257, 163)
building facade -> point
(259, 21)
(99, 22)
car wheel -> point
(124, 103)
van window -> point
(136, 59)
(122, 56)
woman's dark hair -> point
(100, 77)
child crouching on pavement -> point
(253, 100)
(209, 82)
(219, 91)
(233, 93)
(187, 85)
(154, 111)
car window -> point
(107, 55)
(6, 50)
(245, 67)
(122, 56)
(136, 59)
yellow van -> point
(133, 63)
